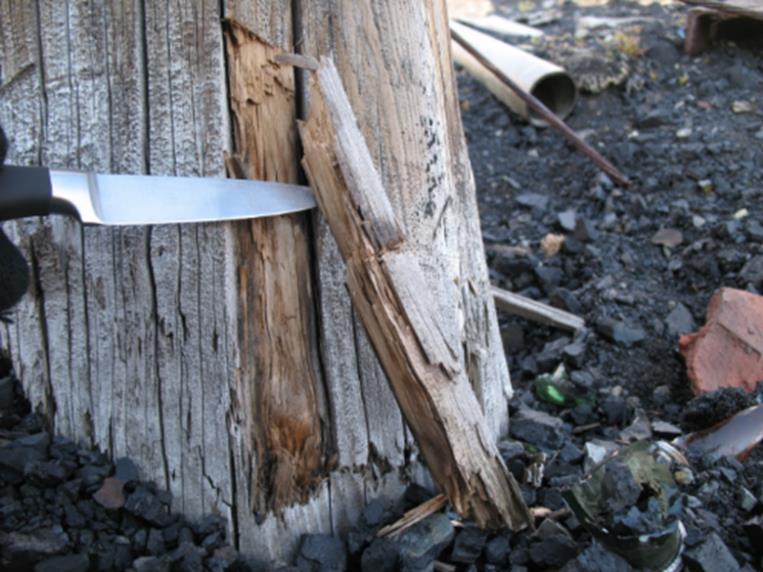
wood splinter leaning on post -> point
(389, 294)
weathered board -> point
(130, 339)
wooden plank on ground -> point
(536, 311)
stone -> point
(746, 500)
(711, 556)
(622, 333)
(567, 220)
(49, 473)
(497, 550)
(16, 455)
(21, 550)
(533, 201)
(710, 408)
(151, 564)
(564, 299)
(585, 230)
(423, 542)
(67, 563)
(510, 450)
(615, 408)
(552, 546)
(754, 230)
(571, 454)
(551, 354)
(155, 543)
(669, 237)
(381, 555)
(752, 272)
(680, 321)
(596, 558)
(321, 553)
(549, 277)
(111, 494)
(538, 428)
(468, 545)
(223, 558)
(188, 558)
(726, 351)
(146, 505)
(125, 470)
(619, 487)
(596, 451)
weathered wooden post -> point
(226, 359)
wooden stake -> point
(536, 311)
(390, 296)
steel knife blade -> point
(143, 199)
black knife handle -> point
(24, 191)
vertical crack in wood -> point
(279, 377)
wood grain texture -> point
(123, 340)
(394, 61)
(388, 290)
(129, 339)
(279, 374)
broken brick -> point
(728, 350)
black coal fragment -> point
(622, 333)
(381, 555)
(468, 545)
(423, 542)
(711, 556)
(538, 428)
(321, 552)
(144, 504)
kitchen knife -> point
(143, 199)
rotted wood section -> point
(277, 388)
(386, 285)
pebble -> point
(321, 552)
(711, 556)
(680, 321)
(533, 201)
(538, 428)
(625, 334)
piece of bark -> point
(536, 311)
(278, 377)
(728, 350)
(387, 290)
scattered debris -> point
(734, 437)
(414, 515)
(552, 244)
(536, 311)
(669, 237)
(728, 350)
(632, 504)
(543, 80)
(622, 333)
(540, 109)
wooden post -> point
(146, 342)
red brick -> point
(728, 350)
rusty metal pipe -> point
(548, 82)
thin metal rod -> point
(545, 113)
